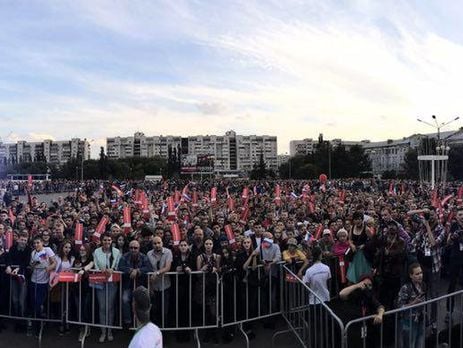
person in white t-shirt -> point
(148, 335)
(316, 277)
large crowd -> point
(388, 243)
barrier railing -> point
(32, 303)
(309, 318)
(412, 326)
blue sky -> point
(349, 69)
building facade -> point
(56, 152)
(301, 147)
(230, 152)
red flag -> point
(245, 195)
(445, 200)
(145, 206)
(391, 188)
(171, 215)
(100, 277)
(460, 194)
(8, 240)
(127, 216)
(277, 195)
(29, 181)
(213, 194)
(244, 215)
(194, 199)
(230, 235)
(118, 190)
(100, 228)
(318, 233)
(175, 230)
(78, 234)
(11, 216)
(177, 197)
(435, 199)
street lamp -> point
(437, 125)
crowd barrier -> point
(31, 305)
(413, 326)
(209, 301)
(313, 323)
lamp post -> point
(441, 152)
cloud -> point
(355, 70)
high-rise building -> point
(57, 152)
(230, 152)
(301, 147)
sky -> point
(348, 69)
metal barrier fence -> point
(35, 304)
(414, 326)
(313, 323)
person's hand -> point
(153, 277)
(187, 270)
(15, 271)
(361, 285)
(8, 270)
(378, 319)
(353, 248)
(81, 272)
(299, 274)
(133, 274)
(255, 252)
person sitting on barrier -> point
(161, 262)
(17, 261)
(148, 334)
(106, 259)
(42, 262)
(134, 265)
(295, 257)
(413, 321)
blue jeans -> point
(413, 333)
(106, 303)
(38, 295)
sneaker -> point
(110, 336)
(102, 337)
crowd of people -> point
(387, 242)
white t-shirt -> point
(41, 261)
(149, 336)
(316, 277)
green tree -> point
(410, 166)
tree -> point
(410, 166)
(260, 169)
(456, 162)
(103, 164)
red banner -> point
(11, 216)
(100, 229)
(277, 195)
(78, 234)
(194, 200)
(29, 181)
(100, 277)
(177, 197)
(460, 194)
(230, 235)
(213, 194)
(230, 204)
(69, 277)
(8, 240)
(175, 230)
(318, 233)
(244, 215)
(245, 195)
(171, 209)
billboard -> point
(192, 164)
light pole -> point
(441, 152)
